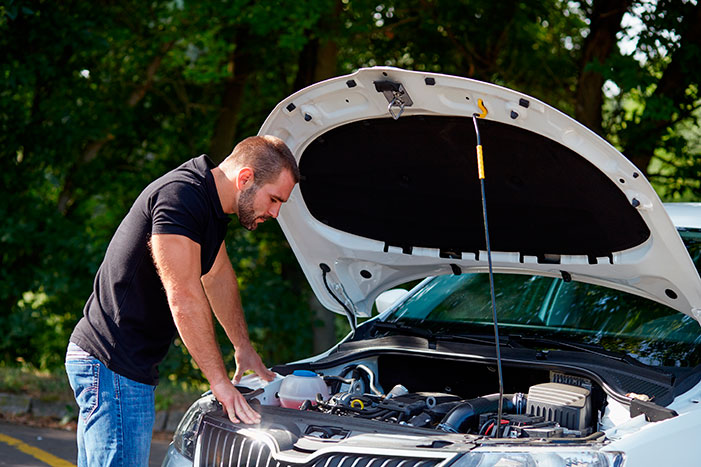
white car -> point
(597, 298)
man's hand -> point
(248, 359)
(234, 403)
(222, 290)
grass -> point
(43, 385)
(52, 386)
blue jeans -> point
(116, 414)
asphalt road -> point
(26, 446)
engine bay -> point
(451, 396)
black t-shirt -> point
(127, 323)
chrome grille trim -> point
(250, 451)
(362, 460)
(243, 444)
(221, 446)
(231, 452)
(216, 444)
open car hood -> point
(384, 201)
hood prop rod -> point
(325, 269)
(480, 173)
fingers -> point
(235, 405)
(248, 358)
(231, 414)
(261, 371)
(245, 412)
(238, 409)
(264, 373)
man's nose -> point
(274, 210)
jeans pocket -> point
(84, 377)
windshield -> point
(575, 312)
(692, 240)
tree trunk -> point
(66, 198)
(318, 61)
(324, 329)
(670, 95)
(241, 66)
(605, 20)
(319, 57)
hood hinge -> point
(396, 95)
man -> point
(166, 268)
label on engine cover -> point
(557, 377)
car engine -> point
(546, 410)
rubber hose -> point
(465, 416)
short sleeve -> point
(179, 208)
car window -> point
(520, 298)
(692, 240)
(551, 307)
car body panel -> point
(609, 379)
(685, 214)
(669, 442)
(361, 264)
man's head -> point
(263, 172)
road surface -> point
(27, 446)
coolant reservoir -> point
(300, 386)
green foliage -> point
(99, 98)
(27, 380)
(653, 116)
(526, 45)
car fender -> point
(678, 435)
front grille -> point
(359, 460)
(218, 446)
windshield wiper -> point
(402, 328)
(477, 339)
(589, 348)
(406, 329)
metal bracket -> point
(396, 95)
(340, 295)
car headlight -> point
(185, 435)
(541, 458)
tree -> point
(604, 24)
(99, 98)
(652, 115)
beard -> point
(246, 212)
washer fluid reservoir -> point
(300, 386)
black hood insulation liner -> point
(413, 183)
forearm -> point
(177, 259)
(223, 295)
(193, 319)
(222, 291)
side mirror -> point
(388, 298)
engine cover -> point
(569, 406)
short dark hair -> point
(267, 155)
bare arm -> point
(177, 259)
(222, 290)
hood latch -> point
(396, 95)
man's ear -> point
(244, 179)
